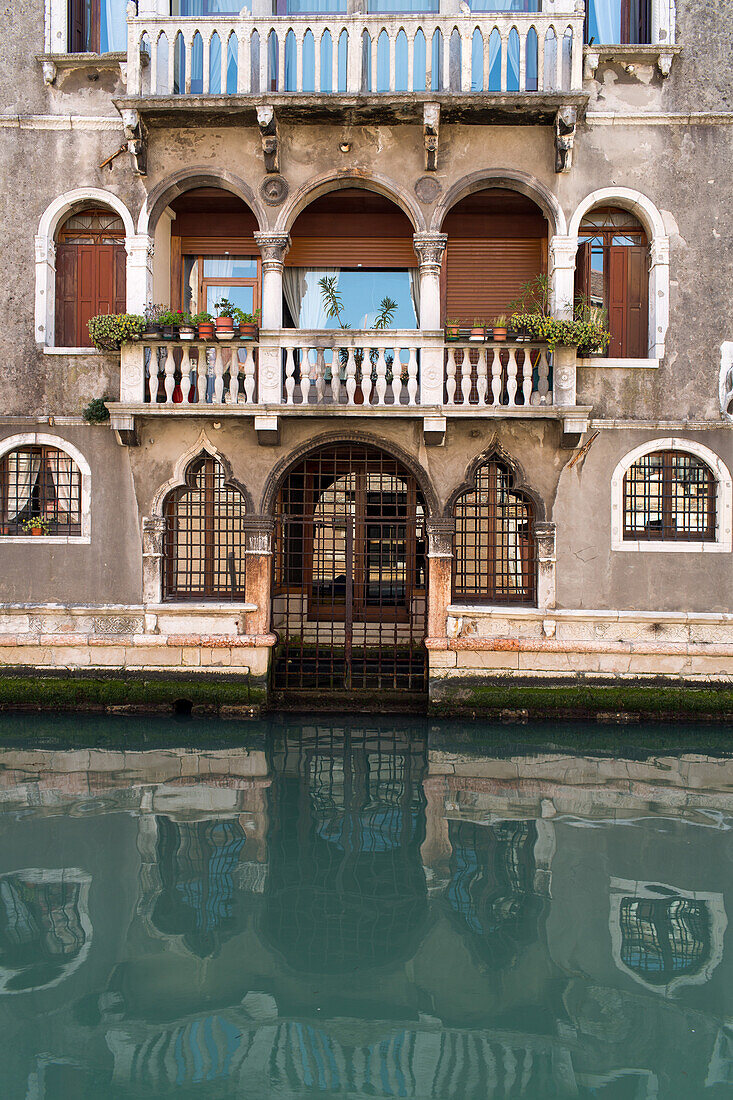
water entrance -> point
(359, 908)
(350, 577)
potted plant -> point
(109, 331)
(186, 326)
(452, 330)
(500, 327)
(225, 311)
(153, 328)
(248, 323)
(169, 322)
(204, 323)
(36, 525)
(478, 329)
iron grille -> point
(204, 550)
(40, 484)
(669, 495)
(349, 601)
(494, 555)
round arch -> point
(65, 204)
(286, 465)
(633, 201)
(44, 439)
(513, 181)
(186, 180)
(350, 177)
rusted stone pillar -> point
(258, 576)
(545, 534)
(153, 536)
(440, 566)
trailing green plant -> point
(36, 522)
(96, 411)
(225, 308)
(109, 331)
(557, 332)
(202, 318)
(171, 317)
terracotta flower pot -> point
(248, 331)
(452, 332)
(206, 330)
(477, 332)
(225, 328)
(186, 332)
(499, 333)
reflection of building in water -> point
(45, 931)
(665, 937)
(346, 887)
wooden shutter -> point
(88, 291)
(120, 278)
(77, 39)
(352, 252)
(66, 295)
(582, 271)
(617, 300)
(637, 321)
(484, 275)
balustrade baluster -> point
(264, 58)
(153, 368)
(381, 386)
(170, 381)
(397, 369)
(249, 375)
(335, 42)
(317, 43)
(234, 377)
(320, 376)
(450, 381)
(543, 380)
(445, 74)
(412, 378)
(540, 59)
(466, 368)
(482, 377)
(185, 375)
(366, 375)
(188, 59)
(218, 376)
(336, 376)
(496, 376)
(280, 68)
(202, 374)
(243, 65)
(350, 376)
(504, 58)
(527, 378)
(511, 378)
(312, 396)
(289, 376)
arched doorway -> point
(350, 578)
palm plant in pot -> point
(225, 313)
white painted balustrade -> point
(353, 55)
(498, 375)
(187, 373)
(351, 368)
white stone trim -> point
(52, 217)
(725, 381)
(620, 888)
(619, 364)
(203, 443)
(649, 216)
(723, 501)
(42, 439)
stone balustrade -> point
(307, 369)
(503, 53)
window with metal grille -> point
(40, 493)
(494, 550)
(664, 937)
(669, 495)
(204, 549)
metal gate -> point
(349, 599)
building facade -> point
(379, 489)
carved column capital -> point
(258, 532)
(659, 251)
(440, 534)
(429, 248)
(153, 535)
(273, 247)
(45, 251)
(562, 252)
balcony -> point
(491, 65)
(324, 373)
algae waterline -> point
(244, 697)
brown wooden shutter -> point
(637, 321)
(582, 272)
(93, 288)
(617, 300)
(352, 252)
(483, 276)
(120, 278)
(66, 295)
(77, 27)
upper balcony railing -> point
(481, 53)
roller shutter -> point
(484, 275)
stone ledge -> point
(200, 641)
(478, 644)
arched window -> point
(40, 492)
(612, 273)
(90, 273)
(494, 550)
(204, 549)
(669, 495)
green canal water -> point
(364, 907)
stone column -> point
(545, 534)
(153, 536)
(440, 565)
(45, 292)
(258, 578)
(430, 248)
(140, 249)
(562, 253)
(658, 296)
(273, 247)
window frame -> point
(605, 234)
(38, 439)
(723, 540)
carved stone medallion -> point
(427, 189)
(274, 190)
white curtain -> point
(414, 273)
(113, 33)
(22, 474)
(604, 20)
(62, 472)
